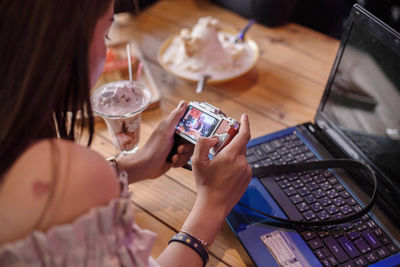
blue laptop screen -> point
(364, 99)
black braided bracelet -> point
(193, 243)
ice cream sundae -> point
(207, 50)
(120, 104)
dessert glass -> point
(121, 104)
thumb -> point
(175, 115)
(202, 148)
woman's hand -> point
(150, 161)
(161, 140)
(222, 181)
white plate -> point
(196, 76)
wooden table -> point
(282, 90)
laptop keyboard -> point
(318, 195)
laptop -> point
(358, 118)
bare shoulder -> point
(84, 168)
(86, 180)
(54, 182)
(76, 168)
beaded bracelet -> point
(193, 243)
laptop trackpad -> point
(253, 198)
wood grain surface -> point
(283, 89)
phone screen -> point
(195, 123)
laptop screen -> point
(364, 99)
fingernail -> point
(215, 138)
(182, 104)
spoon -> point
(240, 36)
(202, 83)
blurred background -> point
(326, 16)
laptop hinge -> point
(338, 139)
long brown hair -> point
(44, 71)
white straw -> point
(128, 52)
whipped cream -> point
(206, 50)
(120, 98)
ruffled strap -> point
(105, 236)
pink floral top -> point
(104, 236)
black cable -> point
(266, 171)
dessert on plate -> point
(207, 50)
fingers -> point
(202, 148)
(184, 152)
(174, 117)
(239, 142)
(179, 160)
(186, 148)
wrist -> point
(204, 220)
(113, 162)
(192, 242)
(213, 199)
(134, 164)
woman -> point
(61, 203)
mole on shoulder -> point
(40, 188)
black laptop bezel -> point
(368, 22)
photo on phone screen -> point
(195, 123)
